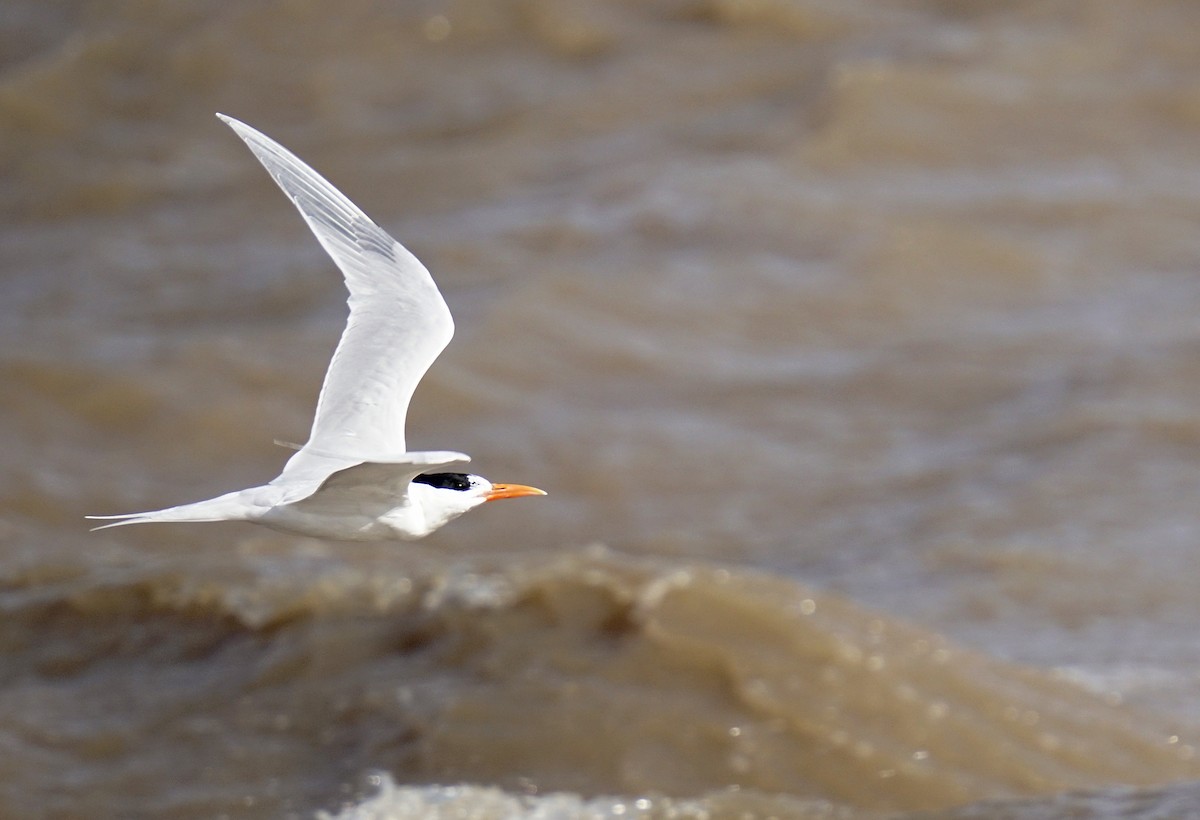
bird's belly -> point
(322, 521)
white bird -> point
(355, 479)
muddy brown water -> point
(857, 344)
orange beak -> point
(499, 491)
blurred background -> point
(789, 301)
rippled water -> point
(864, 337)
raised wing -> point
(398, 323)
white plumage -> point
(354, 478)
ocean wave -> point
(589, 673)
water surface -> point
(856, 343)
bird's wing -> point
(391, 478)
(387, 478)
(398, 323)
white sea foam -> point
(465, 802)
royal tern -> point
(354, 479)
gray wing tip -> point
(240, 128)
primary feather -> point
(398, 324)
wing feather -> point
(398, 321)
(391, 478)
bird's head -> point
(445, 496)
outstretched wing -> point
(398, 323)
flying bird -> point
(354, 479)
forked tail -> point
(155, 516)
(235, 506)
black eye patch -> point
(445, 481)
